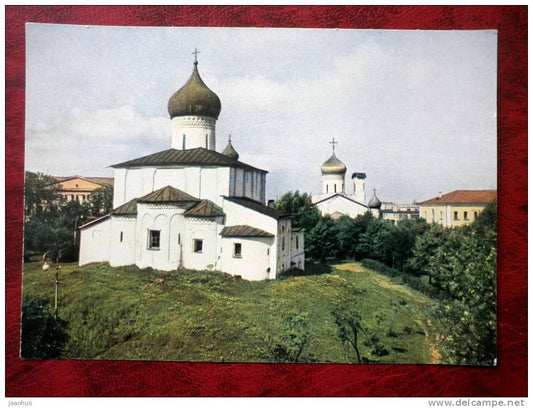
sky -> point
(414, 110)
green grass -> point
(144, 314)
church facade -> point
(192, 207)
(334, 199)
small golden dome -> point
(230, 152)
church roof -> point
(194, 98)
(244, 231)
(333, 166)
(167, 194)
(205, 208)
(257, 206)
(174, 157)
(464, 197)
(359, 175)
(341, 196)
(129, 208)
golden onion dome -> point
(194, 99)
(230, 152)
(333, 166)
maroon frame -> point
(130, 378)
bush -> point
(44, 335)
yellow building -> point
(79, 188)
(458, 208)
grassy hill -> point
(144, 314)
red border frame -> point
(111, 378)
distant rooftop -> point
(463, 197)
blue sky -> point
(414, 110)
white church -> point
(334, 200)
(193, 207)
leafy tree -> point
(40, 195)
(100, 201)
(321, 242)
(375, 242)
(347, 236)
(348, 320)
(402, 241)
(44, 335)
(300, 207)
(425, 248)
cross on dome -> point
(196, 52)
(333, 143)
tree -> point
(100, 201)
(375, 243)
(40, 195)
(321, 242)
(348, 320)
(463, 265)
(300, 207)
(44, 335)
(346, 236)
(403, 237)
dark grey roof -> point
(256, 206)
(175, 157)
(244, 231)
(167, 194)
(205, 208)
(342, 196)
(129, 208)
(359, 175)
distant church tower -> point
(333, 174)
(194, 110)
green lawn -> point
(143, 314)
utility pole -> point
(58, 267)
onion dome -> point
(230, 152)
(333, 166)
(374, 202)
(194, 99)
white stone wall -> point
(122, 241)
(95, 242)
(205, 229)
(193, 132)
(332, 183)
(298, 250)
(255, 260)
(247, 183)
(200, 182)
(359, 190)
(284, 245)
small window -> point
(237, 250)
(179, 239)
(456, 215)
(475, 214)
(296, 241)
(206, 141)
(282, 229)
(268, 251)
(198, 245)
(183, 142)
(334, 188)
(121, 236)
(326, 188)
(283, 244)
(154, 238)
(465, 215)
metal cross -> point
(333, 143)
(196, 52)
(229, 138)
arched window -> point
(206, 141)
(334, 188)
(183, 142)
